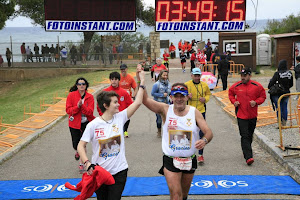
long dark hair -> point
(74, 87)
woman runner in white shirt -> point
(108, 130)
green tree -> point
(286, 25)
(7, 9)
(34, 9)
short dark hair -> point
(115, 75)
(298, 58)
(105, 98)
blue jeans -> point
(158, 120)
(283, 106)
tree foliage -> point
(33, 9)
(7, 9)
(286, 25)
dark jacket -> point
(297, 71)
(283, 76)
(223, 66)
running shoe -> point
(77, 156)
(250, 161)
(126, 134)
(200, 159)
(81, 168)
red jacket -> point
(72, 109)
(193, 56)
(244, 93)
(90, 183)
(124, 98)
(172, 48)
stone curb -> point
(277, 153)
(12, 151)
(272, 148)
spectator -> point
(1, 61)
(223, 68)
(8, 57)
(73, 52)
(23, 52)
(52, 53)
(172, 50)
(297, 74)
(36, 50)
(29, 54)
(64, 55)
(284, 77)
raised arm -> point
(139, 97)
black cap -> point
(246, 71)
(123, 66)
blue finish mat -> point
(148, 186)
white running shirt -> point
(173, 130)
(109, 134)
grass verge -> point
(16, 95)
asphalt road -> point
(51, 156)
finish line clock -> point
(200, 15)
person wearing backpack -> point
(284, 77)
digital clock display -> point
(212, 13)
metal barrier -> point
(235, 69)
(289, 119)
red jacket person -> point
(246, 95)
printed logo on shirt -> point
(180, 140)
(122, 98)
(110, 147)
(189, 123)
(172, 125)
(99, 133)
(115, 128)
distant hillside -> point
(259, 26)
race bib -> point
(182, 163)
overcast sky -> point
(267, 9)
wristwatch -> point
(142, 86)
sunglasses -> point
(179, 88)
(81, 84)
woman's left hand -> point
(200, 144)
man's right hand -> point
(236, 104)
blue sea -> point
(31, 35)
